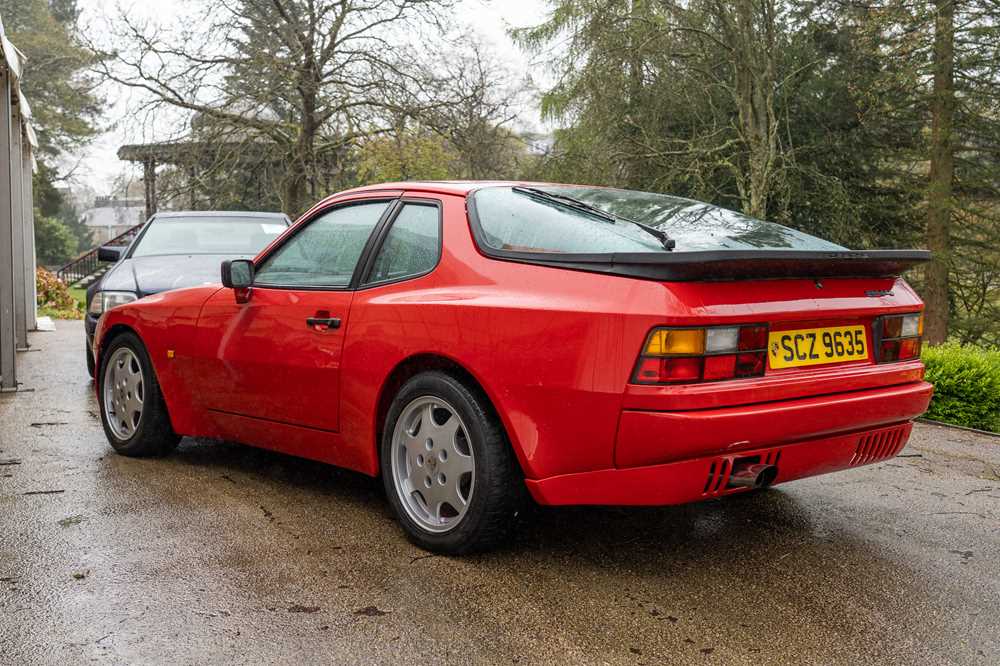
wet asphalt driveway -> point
(222, 553)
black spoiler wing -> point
(732, 264)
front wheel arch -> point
(109, 337)
(153, 433)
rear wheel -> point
(133, 412)
(448, 469)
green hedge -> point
(966, 385)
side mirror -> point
(237, 274)
(111, 253)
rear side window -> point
(325, 252)
(512, 222)
(412, 246)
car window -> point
(412, 245)
(514, 222)
(326, 251)
(205, 234)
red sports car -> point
(477, 343)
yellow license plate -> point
(815, 346)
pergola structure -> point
(195, 157)
(152, 154)
(17, 225)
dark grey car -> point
(175, 250)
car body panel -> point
(552, 349)
(244, 350)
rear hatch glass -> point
(513, 220)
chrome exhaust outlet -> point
(752, 476)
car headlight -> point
(105, 300)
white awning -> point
(14, 60)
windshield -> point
(517, 223)
(208, 234)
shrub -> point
(966, 385)
(54, 299)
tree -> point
(942, 173)
(406, 154)
(54, 243)
(65, 109)
(52, 202)
(303, 78)
(64, 104)
(949, 51)
(728, 102)
(477, 104)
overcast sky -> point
(99, 166)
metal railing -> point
(87, 263)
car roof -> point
(459, 187)
(218, 213)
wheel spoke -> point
(454, 496)
(426, 421)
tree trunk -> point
(295, 183)
(750, 29)
(939, 192)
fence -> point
(17, 227)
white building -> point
(112, 217)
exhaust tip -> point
(752, 475)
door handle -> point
(323, 323)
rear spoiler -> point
(732, 264)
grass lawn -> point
(80, 294)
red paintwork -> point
(552, 349)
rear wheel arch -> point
(413, 366)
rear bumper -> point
(706, 477)
(666, 457)
(650, 438)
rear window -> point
(514, 222)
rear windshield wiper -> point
(666, 241)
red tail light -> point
(690, 355)
(898, 337)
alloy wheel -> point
(433, 464)
(123, 392)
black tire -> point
(499, 495)
(153, 435)
(91, 369)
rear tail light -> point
(689, 355)
(898, 337)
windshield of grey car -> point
(208, 235)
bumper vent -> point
(879, 445)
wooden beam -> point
(149, 180)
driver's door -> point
(277, 357)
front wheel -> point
(133, 412)
(448, 469)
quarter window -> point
(412, 245)
(325, 252)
